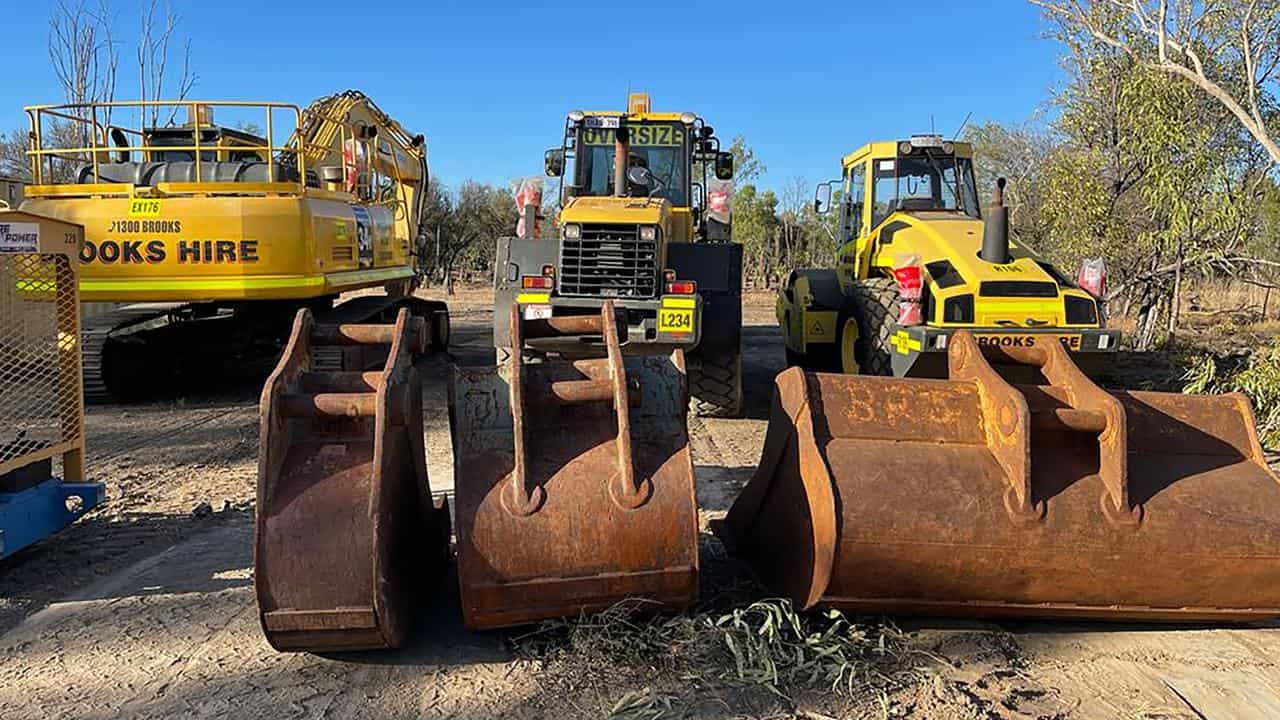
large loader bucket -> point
(574, 481)
(345, 520)
(971, 496)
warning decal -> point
(364, 236)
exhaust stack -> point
(621, 155)
(995, 231)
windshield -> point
(660, 147)
(923, 182)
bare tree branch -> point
(1171, 44)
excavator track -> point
(104, 383)
(98, 332)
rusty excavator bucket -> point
(346, 526)
(971, 496)
(574, 480)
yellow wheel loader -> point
(1010, 484)
(574, 477)
(212, 237)
(644, 234)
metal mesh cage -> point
(40, 401)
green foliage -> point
(779, 231)
(755, 225)
(459, 230)
(746, 166)
(1255, 373)
(770, 645)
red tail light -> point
(683, 287)
(910, 292)
(534, 282)
(1092, 277)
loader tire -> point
(715, 385)
(875, 307)
(441, 330)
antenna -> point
(961, 128)
(933, 130)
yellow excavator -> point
(212, 237)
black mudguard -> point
(516, 257)
(717, 269)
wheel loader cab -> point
(635, 228)
(659, 147)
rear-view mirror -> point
(822, 199)
(553, 162)
(724, 166)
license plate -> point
(598, 121)
(537, 312)
(1071, 342)
(144, 208)
(675, 321)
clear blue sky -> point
(489, 81)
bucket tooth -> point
(971, 496)
(346, 525)
(574, 481)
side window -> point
(884, 198)
(857, 191)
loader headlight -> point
(904, 148)
(958, 309)
(576, 116)
(648, 233)
(573, 231)
(1081, 311)
(688, 118)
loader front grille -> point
(609, 261)
(1018, 288)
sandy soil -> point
(145, 608)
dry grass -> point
(662, 666)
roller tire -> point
(875, 308)
(715, 385)
(825, 357)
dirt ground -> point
(145, 608)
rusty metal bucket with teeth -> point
(574, 480)
(971, 496)
(346, 526)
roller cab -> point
(920, 259)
